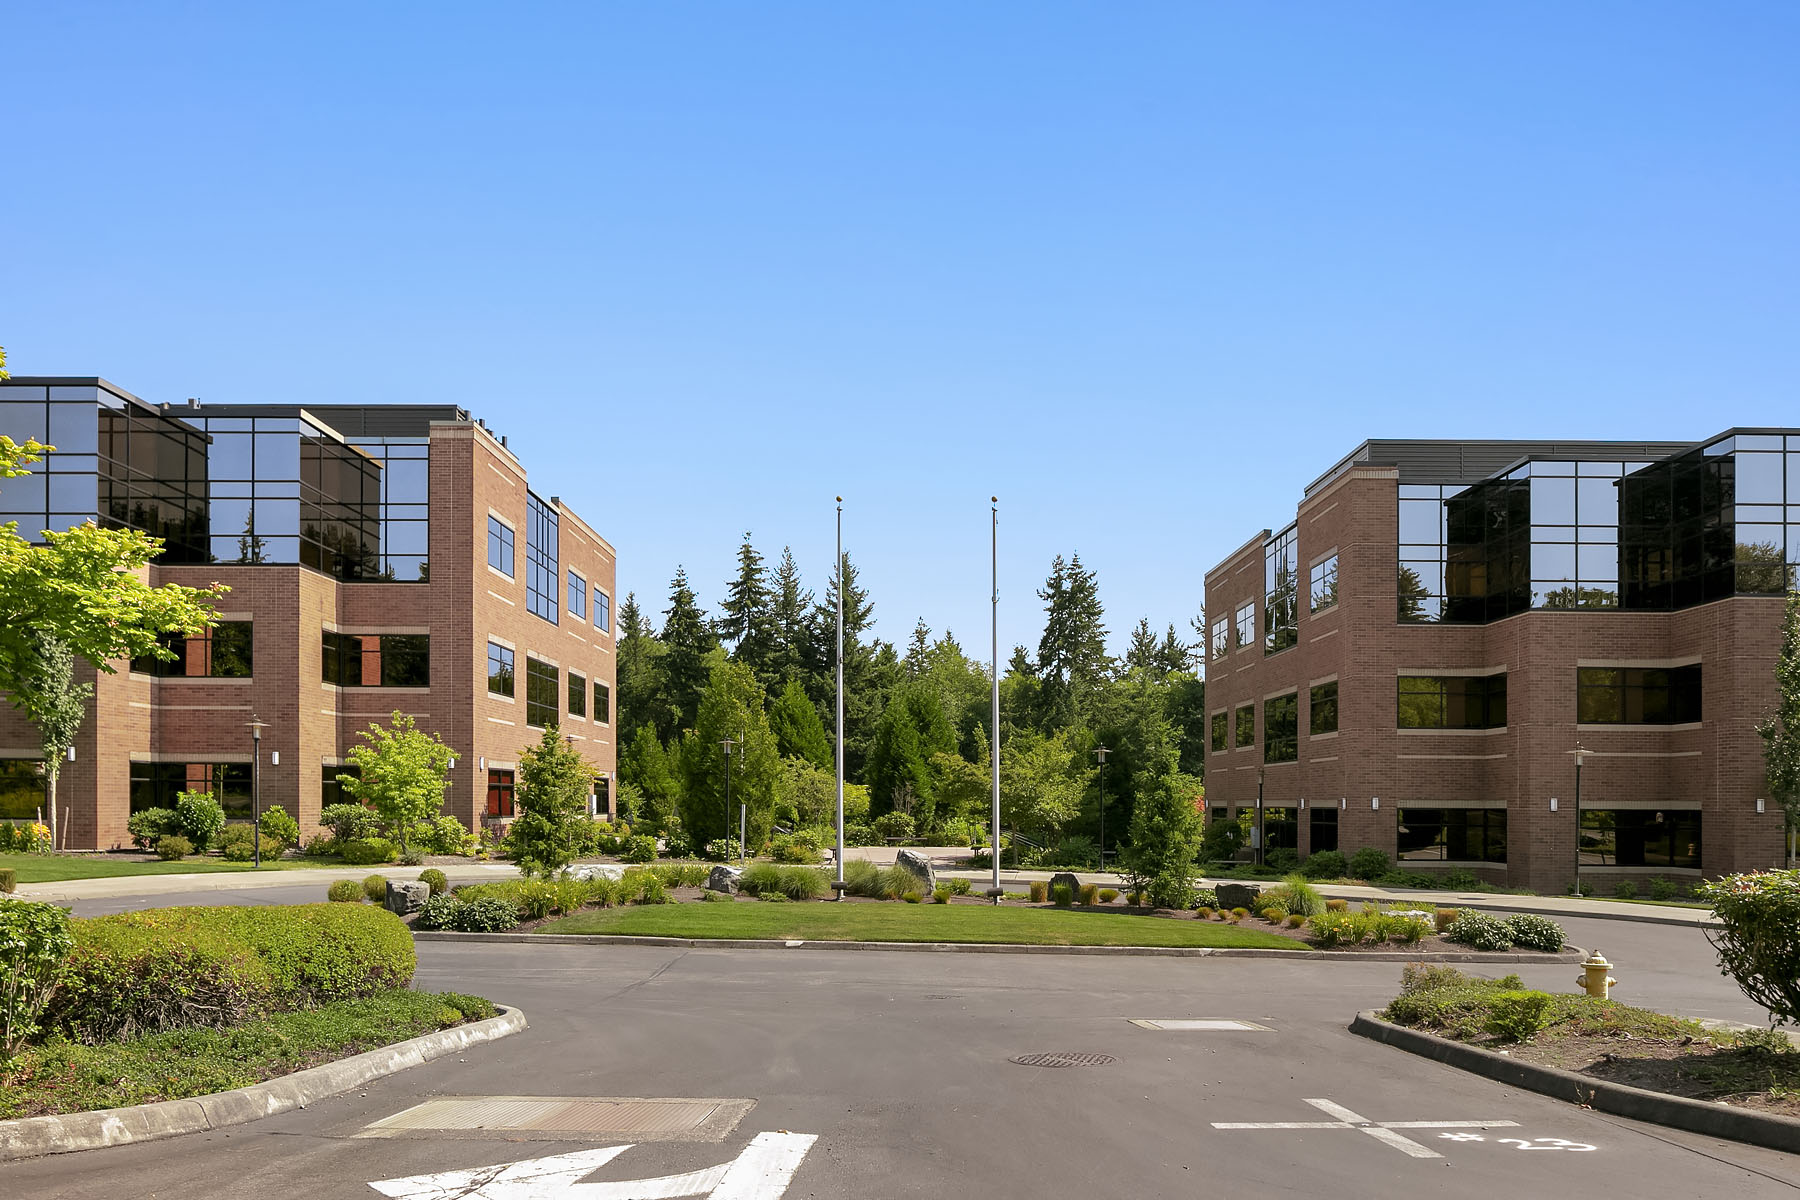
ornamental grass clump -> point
(345, 891)
(1758, 941)
(375, 887)
(1107, 895)
(1039, 889)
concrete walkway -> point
(942, 858)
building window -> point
(500, 670)
(1221, 731)
(1322, 708)
(1221, 637)
(155, 785)
(1246, 625)
(1246, 726)
(602, 611)
(376, 659)
(21, 789)
(1281, 725)
(603, 798)
(1281, 831)
(500, 546)
(1638, 695)
(541, 575)
(1452, 701)
(1451, 834)
(1640, 837)
(1322, 828)
(331, 789)
(500, 792)
(577, 695)
(577, 597)
(602, 703)
(222, 652)
(542, 704)
(1281, 606)
(1322, 586)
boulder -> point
(587, 871)
(723, 879)
(1237, 895)
(1066, 879)
(919, 867)
(406, 896)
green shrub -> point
(34, 943)
(148, 825)
(894, 826)
(1332, 928)
(9, 880)
(1039, 889)
(1764, 1043)
(411, 858)
(962, 887)
(1207, 897)
(1296, 895)
(1295, 921)
(773, 898)
(435, 879)
(794, 883)
(1274, 914)
(201, 818)
(940, 894)
(1460, 880)
(1408, 928)
(794, 848)
(189, 967)
(350, 822)
(364, 852)
(440, 834)
(1107, 895)
(1517, 1015)
(241, 834)
(279, 828)
(375, 888)
(652, 891)
(1662, 889)
(535, 899)
(1424, 977)
(437, 912)
(1062, 895)
(1369, 863)
(1479, 931)
(484, 915)
(1074, 852)
(1090, 893)
(681, 874)
(345, 891)
(1337, 905)
(862, 878)
(1626, 890)
(638, 848)
(725, 849)
(1283, 859)
(1535, 932)
(320, 845)
(172, 847)
(714, 898)
(911, 897)
(1326, 864)
(1759, 939)
(239, 852)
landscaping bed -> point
(1603, 1040)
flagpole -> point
(994, 749)
(839, 884)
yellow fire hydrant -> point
(1594, 979)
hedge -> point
(179, 968)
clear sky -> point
(1142, 269)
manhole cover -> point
(1064, 1058)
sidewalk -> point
(232, 881)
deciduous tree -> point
(554, 785)
(402, 773)
(1781, 731)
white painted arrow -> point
(761, 1172)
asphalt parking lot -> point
(900, 1067)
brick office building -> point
(380, 558)
(1415, 662)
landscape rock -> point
(406, 896)
(723, 879)
(588, 871)
(1237, 895)
(918, 866)
(1066, 879)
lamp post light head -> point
(256, 725)
(1580, 754)
(1101, 754)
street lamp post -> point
(1259, 848)
(1100, 754)
(256, 727)
(1580, 756)
(726, 745)
(994, 892)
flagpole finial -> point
(840, 499)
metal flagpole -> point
(840, 699)
(994, 751)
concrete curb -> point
(1639, 1104)
(1570, 955)
(32, 1137)
(1701, 920)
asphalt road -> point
(899, 1063)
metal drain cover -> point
(556, 1117)
(1064, 1058)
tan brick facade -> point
(312, 724)
(1715, 763)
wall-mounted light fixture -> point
(1374, 801)
(274, 758)
(1759, 804)
(1553, 804)
(1343, 802)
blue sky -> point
(1144, 270)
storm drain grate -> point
(1064, 1058)
(658, 1118)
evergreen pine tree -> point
(791, 628)
(1071, 661)
(1141, 655)
(731, 707)
(798, 731)
(687, 641)
(641, 701)
(746, 618)
(918, 649)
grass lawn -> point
(50, 868)
(64, 1077)
(913, 923)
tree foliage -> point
(731, 707)
(554, 785)
(46, 692)
(798, 731)
(1781, 731)
(402, 773)
(1165, 840)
